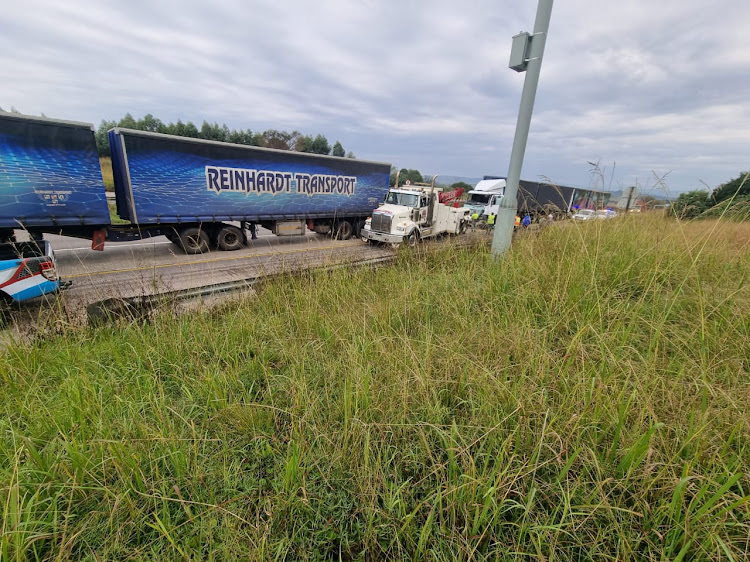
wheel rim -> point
(229, 238)
(344, 230)
(194, 242)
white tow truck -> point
(411, 213)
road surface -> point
(154, 266)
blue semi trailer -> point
(200, 194)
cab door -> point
(424, 204)
(494, 205)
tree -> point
(151, 124)
(270, 138)
(691, 204)
(128, 122)
(191, 130)
(303, 144)
(461, 184)
(181, 129)
(350, 154)
(739, 186)
(293, 141)
(276, 139)
(241, 137)
(102, 142)
(214, 132)
(413, 176)
(338, 150)
(320, 145)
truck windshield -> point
(403, 199)
(479, 198)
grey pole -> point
(534, 51)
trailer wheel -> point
(358, 226)
(343, 230)
(194, 240)
(230, 238)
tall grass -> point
(106, 164)
(584, 397)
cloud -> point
(649, 86)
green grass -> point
(106, 164)
(113, 216)
(586, 397)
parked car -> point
(606, 214)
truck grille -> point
(381, 222)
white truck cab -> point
(411, 213)
(485, 198)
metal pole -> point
(508, 206)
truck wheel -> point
(230, 238)
(412, 238)
(358, 225)
(343, 230)
(194, 240)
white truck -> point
(411, 213)
(484, 199)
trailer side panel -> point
(166, 179)
(49, 174)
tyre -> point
(343, 230)
(194, 240)
(357, 225)
(411, 240)
(229, 238)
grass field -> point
(586, 397)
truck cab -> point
(485, 198)
(411, 213)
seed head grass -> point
(583, 397)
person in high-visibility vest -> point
(518, 222)
(491, 220)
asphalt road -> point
(145, 267)
(155, 266)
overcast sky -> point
(648, 89)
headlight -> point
(399, 228)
